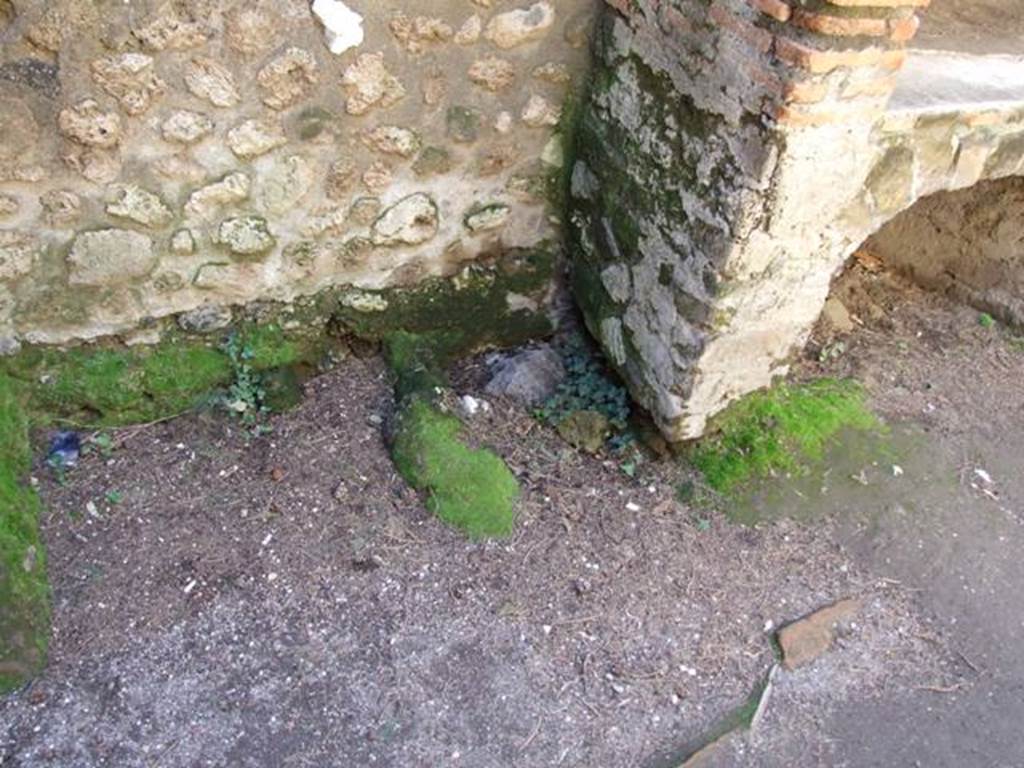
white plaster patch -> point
(342, 25)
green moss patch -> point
(779, 431)
(24, 594)
(471, 489)
(110, 384)
(105, 385)
(460, 314)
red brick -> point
(881, 3)
(760, 39)
(822, 61)
(840, 26)
(777, 9)
(805, 91)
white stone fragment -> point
(342, 26)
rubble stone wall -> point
(177, 158)
(732, 154)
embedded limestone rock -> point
(368, 84)
(410, 221)
(415, 34)
(342, 26)
(435, 90)
(552, 72)
(487, 217)
(394, 140)
(286, 183)
(364, 210)
(341, 175)
(206, 319)
(60, 21)
(378, 177)
(508, 30)
(329, 221)
(363, 301)
(212, 81)
(470, 31)
(61, 207)
(183, 242)
(142, 207)
(17, 253)
(288, 77)
(9, 205)
(110, 256)
(246, 235)
(249, 30)
(129, 78)
(89, 124)
(539, 112)
(186, 127)
(255, 137)
(492, 73)
(168, 29)
(206, 202)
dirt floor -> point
(223, 600)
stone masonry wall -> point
(967, 244)
(732, 154)
(165, 158)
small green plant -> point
(114, 497)
(985, 320)
(779, 430)
(831, 352)
(246, 396)
(103, 442)
(588, 386)
(60, 469)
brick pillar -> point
(719, 150)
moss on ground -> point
(469, 488)
(779, 430)
(93, 385)
(24, 594)
(102, 385)
(106, 385)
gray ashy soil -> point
(941, 517)
(287, 601)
